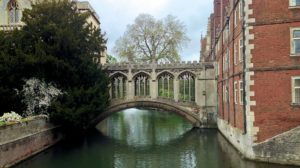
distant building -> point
(256, 44)
(84, 6)
(11, 14)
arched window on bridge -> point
(187, 87)
(118, 85)
(166, 86)
(13, 12)
(142, 85)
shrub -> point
(10, 117)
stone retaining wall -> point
(281, 149)
(22, 140)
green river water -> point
(136, 138)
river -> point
(144, 138)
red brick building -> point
(256, 44)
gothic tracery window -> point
(118, 85)
(142, 85)
(13, 11)
(166, 86)
(187, 87)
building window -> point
(226, 61)
(142, 85)
(166, 86)
(241, 85)
(187, 87)
(296, 90)
(241, 49)
(235, 17)
(118, 85)
(225, 92)
(241, 9)
(235, 54)
(294, 2)
(295, 41)
(236, 92)
(13, 12)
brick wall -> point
(273, 67)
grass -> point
(2, 123)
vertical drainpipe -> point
(228, 69)
(244, 68)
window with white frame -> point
(236, 92)
(228, 58)
(226, 61)
(225, 93)
(296, 90)
(235, 17)
(295, 41)
(241, 49)
(241, 9)
(241, 85)
(294, 2)
(235, 54)
(13, 12)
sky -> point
(115, 15)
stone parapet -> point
(176, 65)
(10, 27)
(22, 140)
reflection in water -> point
(144, 139)
(144, 127)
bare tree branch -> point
(152, 40)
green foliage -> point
(12, 64)
(111, 59)
(55, 45)
(165, 93)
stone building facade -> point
(11, 15)
(256, 44)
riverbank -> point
(20, 141)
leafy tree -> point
(152, 40)
(57, 45)
(11, 73)
(111, 59)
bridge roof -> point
(165, 66)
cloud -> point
(115, 15)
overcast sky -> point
(115, 15)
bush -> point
(56, 46)
(10, 117)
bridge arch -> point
(165, 81)
(141, 73)
(118, 84)
(142, 84)
(186, 113)
(118, 73)
(184, 72)
(166, 71)
(187, 86)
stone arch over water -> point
(188, 114)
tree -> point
(111, 59)
(152, 40)
(57, 46)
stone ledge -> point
(22, 140)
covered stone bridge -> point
(186, 88)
